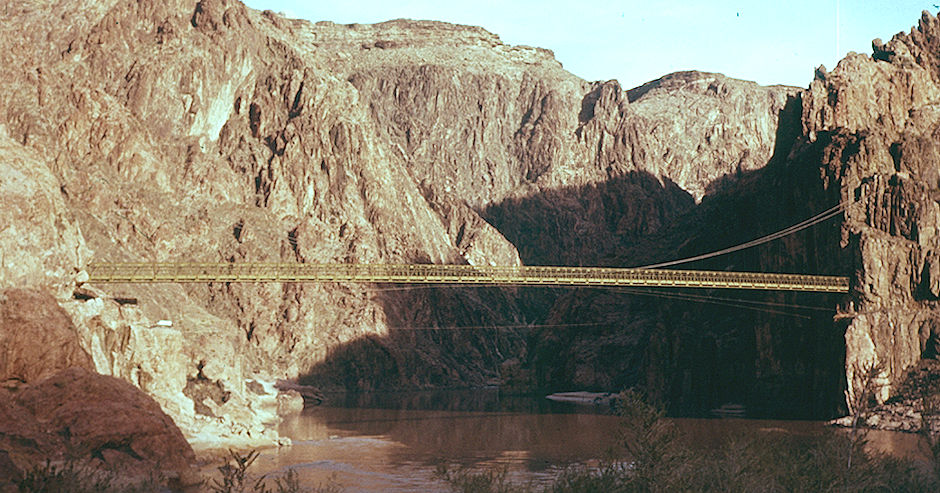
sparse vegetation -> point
(607, 477)
(921, 387)
(73, 476)
(234, 474)
(236, 479)
(663, 462)
(467, 480)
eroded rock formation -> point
(864, 135)
(878, 116)
(206, 131)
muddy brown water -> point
(394, 443)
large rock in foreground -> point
(37, 337)
(77, 415)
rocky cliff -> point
(862, 135)
(206, 131)
(877, 120)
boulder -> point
(37, 337)
(78, 415)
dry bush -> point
(236, 479)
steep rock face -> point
(863, 135)
(42, 244)
(185, 131)
(596, 176)
(460, 124)
(164, 362)
(206, 131)
(570, 172)
(879, 116)
(694, 128)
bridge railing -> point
(149, 272)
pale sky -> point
(771, 42)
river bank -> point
(402, 448)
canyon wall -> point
(862, 135)
(206, 131)
(877, 119)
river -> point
(394, 442)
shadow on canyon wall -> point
(461, 336)
(779, 354)
(439, 336)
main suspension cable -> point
(818, 218)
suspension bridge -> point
(154, 272)
(646, 276)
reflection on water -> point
(465, 437)
(380, 442)
(479, 400)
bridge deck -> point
(148, 272)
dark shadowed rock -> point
(876, 121)
(82, 416)
(37, 337)
(10, 474)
